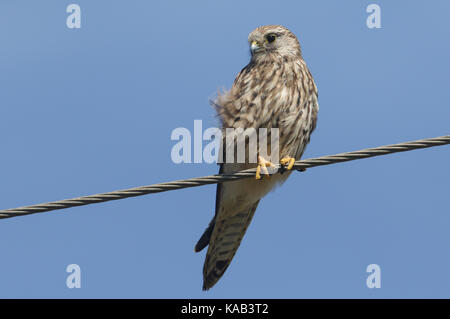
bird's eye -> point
(271, 37)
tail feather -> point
(225, 238)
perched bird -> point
(275, 90)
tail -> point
(224, 237)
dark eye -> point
(271, 37)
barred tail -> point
(225, 239)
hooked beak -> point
(254, 46)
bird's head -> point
(273, 40)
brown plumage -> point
(275, 90)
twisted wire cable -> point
(221, 178)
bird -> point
(275, 90)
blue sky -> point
(91, 110)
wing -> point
(204, 239)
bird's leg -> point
(287, 162)
(262, 165)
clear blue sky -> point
(91, 110)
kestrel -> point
(275, 90)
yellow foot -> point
(287, 162)
(263, 164)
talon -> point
(263, 164)
(287, 162)
(258, 172)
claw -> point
(262, 165)
(287, 162)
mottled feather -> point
(275, 90)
